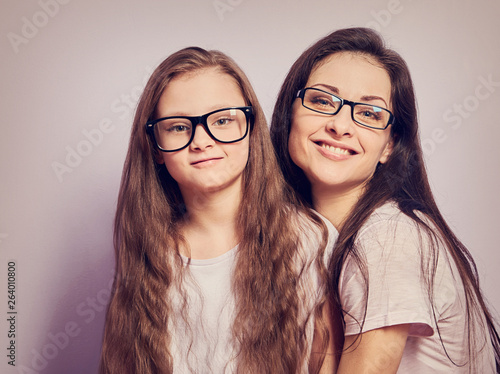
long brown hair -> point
(269, 335)
(401, 179)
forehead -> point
(206, 79)
(200, 91)
(353, 74)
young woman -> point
(217, 271)
(345, 131)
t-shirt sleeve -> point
(395, 287)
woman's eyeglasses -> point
(324, 102)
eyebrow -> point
(335, 90)
(210, 109)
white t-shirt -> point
(392, 246)
(204, 344)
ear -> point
(387, 151)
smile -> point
(339, 151)
(206, 161)
(336, 150)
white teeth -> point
(340, 151)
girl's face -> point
(205, 165)
(337, 154)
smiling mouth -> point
(337, 150)
(205, 160)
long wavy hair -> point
(402, 179)
(269, 334)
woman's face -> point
(205, 165)
(337, 154)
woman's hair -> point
(401, 179)
(266, 328)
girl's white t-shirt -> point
(202, 338)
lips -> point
(205, 160)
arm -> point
(333, 323)
(376, 351)
(387, 296)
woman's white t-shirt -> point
(397, 253)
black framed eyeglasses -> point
(324, 102)
(227, 125)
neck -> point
(211, 211)
(210, 222)
(335, 205)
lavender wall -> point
(71, 75)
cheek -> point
(293, 144)
(238, 155)
(245, 153)
(173, 165)
(295, 136)
(375, 143)
(242, 156)
(298, 144)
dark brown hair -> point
(269, 335)
(401, 179)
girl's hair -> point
(266, 328)
(402, 178)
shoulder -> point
(388, 214)
(387, 227)
(396, 245)
(309, 226)
(312, 228)
(382, 285)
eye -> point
(369, 114)
(222, 122)
(174, 127)
(178, 128)
(323, 101)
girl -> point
(345, 131)
(216, 270)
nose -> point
(341, 124)
(202, 139)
